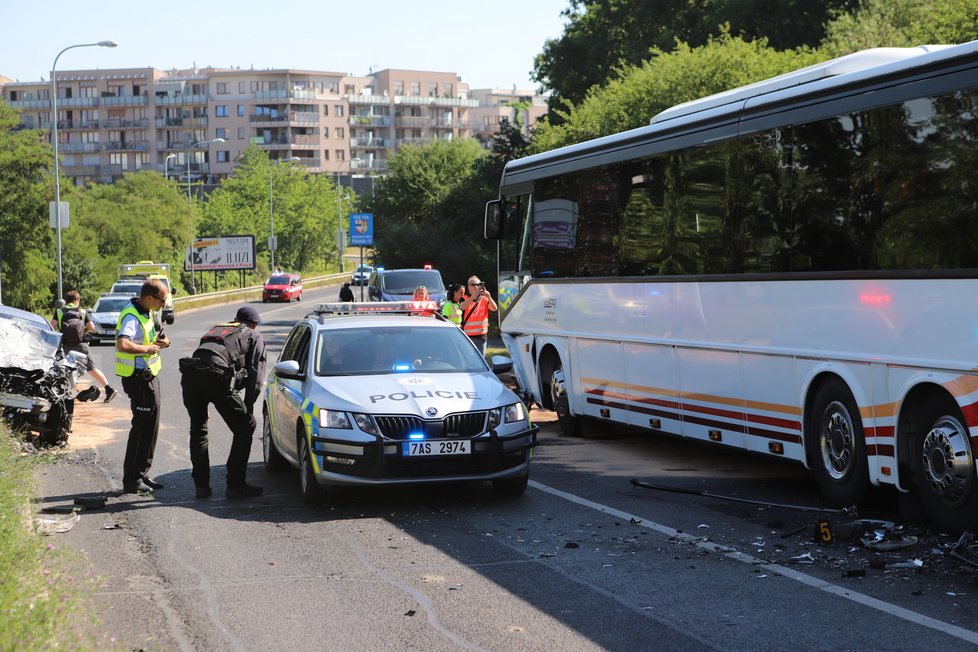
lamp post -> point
(54, 141)
(166, 164)
(190, 146)
(272, 244)
(339, 211)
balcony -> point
(126, 145)
(303, 118)
(400, 142)
(32, 104)
(417, 100)
(125, 123)
(305, 141)
(79, 147)
(73, 124)
(71, 102)
(368, 99)
(443, 123)
(311, 164)
(370, 143)
(412, 121)
(370, 121)
(126, 100)
(371, 166)
(258, 118)
(173, 100)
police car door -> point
(289, 393)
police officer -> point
(138, 363)
(231, 357)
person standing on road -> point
(138, 363)
(346, 294)
(475, 313)
(451, 309)
(231, 357)
(73, 322)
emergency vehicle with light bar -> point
(147, 269)
(384, 394)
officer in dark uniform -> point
(231, 357)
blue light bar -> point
(403, 366)
(415, 436)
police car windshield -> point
(405, 282)
(405, 349)
(115, 304)
(127, 288)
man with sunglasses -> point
(475, 308)
(138, 363)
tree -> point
(429, 208)
(603, 36)
(27, 252)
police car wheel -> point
(312, 491)
(511, 486)
(274, 462)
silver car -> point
(105, 315)
(392, 394)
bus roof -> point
(727, 107)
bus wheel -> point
(569, 424)
(944, 467)
(837, 449)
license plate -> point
(437, 447)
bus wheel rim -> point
(837, 440)
(948, 462)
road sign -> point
(361, 229)
(64, 215)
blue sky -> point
(488, 44)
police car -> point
(380, 394)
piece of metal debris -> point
(910, 563)
(48, 524)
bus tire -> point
(944, 466)
(570, 425)
(837, 446)
(312, 492)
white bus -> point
(790, 268)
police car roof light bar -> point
(349, 308)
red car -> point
(282, 287)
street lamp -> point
(166, 163)
(190, 146)
(54, 140)
(272, 245)
(339, 211)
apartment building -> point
(521, 107)
(194, 123)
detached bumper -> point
(493, 457)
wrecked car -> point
(37, 380)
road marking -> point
(784, 571)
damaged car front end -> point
(37, 380)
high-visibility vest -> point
(452, 312)
(477, 322)
(59, 313)
(125, 363)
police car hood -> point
(414, 393)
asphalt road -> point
(584, 560)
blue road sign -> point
(361, 229)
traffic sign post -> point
(361, 235)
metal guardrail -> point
(194, 301)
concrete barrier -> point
(253, 293)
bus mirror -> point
(494, 220)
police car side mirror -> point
(288, 369)
(501, 365)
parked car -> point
(131, 288)
(105, 315)
(361, 275)
(282, 287)
(37, 380)
(399, 284)
(376, 395)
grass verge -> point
(43, 588)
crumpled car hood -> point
(26, 347)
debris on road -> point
(48, 524)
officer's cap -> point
(247, 313)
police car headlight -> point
(366, 424)
(515, 412)
(334, 419)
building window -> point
(221, 132)
(325, 154)
(222, 88)
(89, 91)
(340, 155)
(339, 111)
(432, 89)
(325, 132)
(221, 111)
(414, 88)
(241, 110)
(242, 87)
(349, 89)
(241, 133)
(333, 87)
(398, 87)
(325, 109)
(340, 132)
(254, 87)
(223, 156)
(448, 90)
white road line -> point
(789, 573)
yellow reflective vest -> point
(125, 363)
